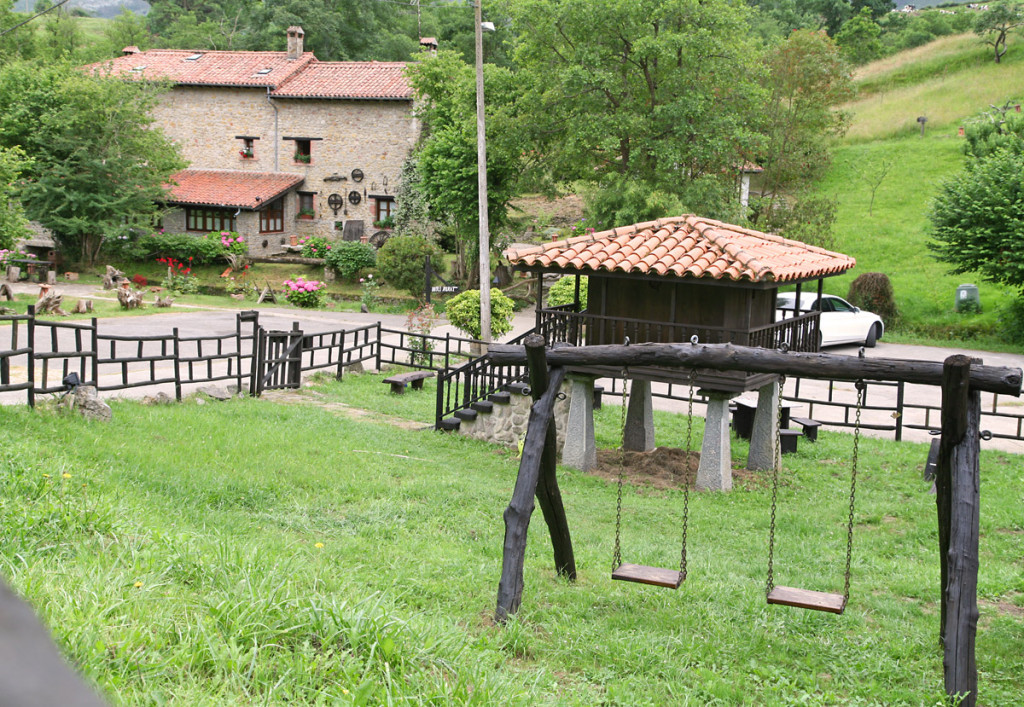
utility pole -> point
(481, 178)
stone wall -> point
(374, 137)
(506, 424)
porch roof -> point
(229, 188)
(685, 246)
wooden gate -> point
(278, 359)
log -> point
(958, 502)
(164, 301)
(520, 508)
(726, 357)
(49, 303)
(130, 298)
(83, 306)
(548, 494)
(6, 293)
(112, 278)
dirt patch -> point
(663, 468)
(1006, 607)
(309, 397)
(539, 211)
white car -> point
(840, 322)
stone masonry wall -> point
(507, 424)
(372, 136)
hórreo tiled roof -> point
(384, 80)
(229, 188)
(686, 246)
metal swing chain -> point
(617, 556)
(853, 490)
(775, 489)
(686, 476)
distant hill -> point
(96, 8)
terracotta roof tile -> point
(230, 188)
(382, 80)
(687, 246)
(305, 77)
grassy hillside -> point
(949, 81)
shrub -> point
(315, 247)
(349, 257)
(564, 292)
(463, 312)
(873, 291)
(1011, 321)
(140, 280)
(201, 250)
(400, 262)
(179, 276)
(304, 293)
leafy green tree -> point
(13, 225)
(15, 43)
(859, 38)
(662, 94)
(998, 128)
(126, 30)
(806, 77)
(995, 25)
(447, 157)
(61, 37)
(99, 164)
(978, 219)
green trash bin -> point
(967, 299)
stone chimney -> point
(429, 44)
(295, 35)
(128, 51)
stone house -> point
(279, 143)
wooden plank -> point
(726, 357)
(807, 599)
(656, 576)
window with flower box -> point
(307, 205)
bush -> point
(873, 291)
(564, 292)
(140, 280)
(349, 257)
(1011, 321)
(400, 262)
(304, 293)
(463, 312)
(201, 250)
(315, 247)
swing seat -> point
(643, 574)
(807, 599)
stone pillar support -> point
(766, 423)
(580, 449)
(639, 433)
(715, 470)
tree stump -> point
(129, 298)
(112, 278)
(83, 306)
(6, 293)
(164, 301)
(49, 302)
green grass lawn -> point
(258, 553)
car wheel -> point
(872, 337)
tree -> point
(859, 38)
(806, 77)
(99, 164)
(13, 225)
(995, 25)
(662, 94)
(978, 219)
(445, 86)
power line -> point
(25, 22)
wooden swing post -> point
(536, 477)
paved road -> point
(222, 321)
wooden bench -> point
(400, 381)
(810, 427)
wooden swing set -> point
(957, 481)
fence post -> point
(295, 357)
(259, 345)
(341, 357)
(31, 355)
(378, 346)
(238, 352)
(177, 364)
(899, 411)
(254, 366)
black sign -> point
(445, 289)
